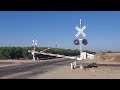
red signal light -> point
(84, 42)
(76, 42)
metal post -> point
(71, 65)
(34, 44)
(33, 51)
(80, 37)
(81, 66)
(33, 56)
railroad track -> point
(90, 65)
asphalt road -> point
(25, 71)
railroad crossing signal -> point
(34, 45)
(80, 31)
(34, 42)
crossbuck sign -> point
(34, 42)
(80, 31)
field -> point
(109, 57)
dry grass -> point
(109, 56)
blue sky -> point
(18, 28)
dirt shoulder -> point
(66, 73)
(5, 63)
